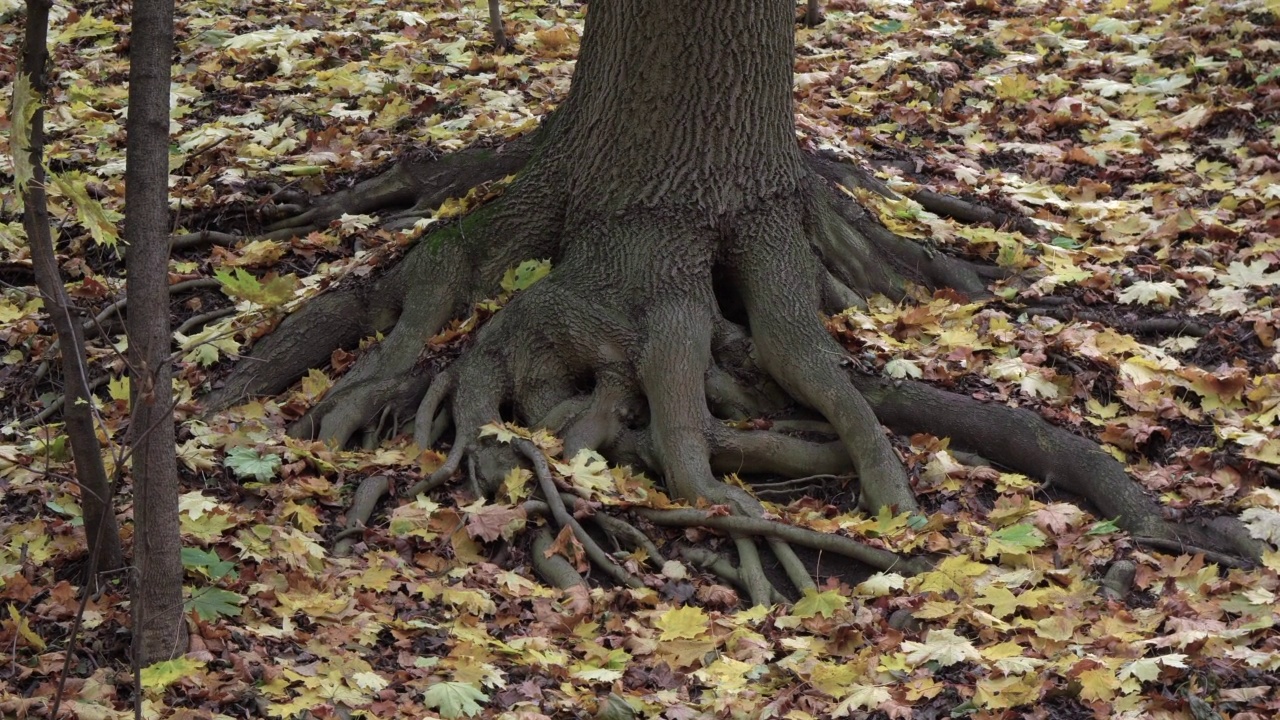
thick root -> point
(798, 352)
(1021, 440)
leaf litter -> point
(1141, 135)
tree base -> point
(655, 333)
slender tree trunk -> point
(159, 629)
(101, 533)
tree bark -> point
(160, 632)
(102, 536)
(670, 107)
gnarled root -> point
(629, 349)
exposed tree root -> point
(1021, 440)
(367, 494)
(656, 336)
(1118, 582)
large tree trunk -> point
(693, 248)
(708, 118)
(160, 631)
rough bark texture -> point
(693, 246)
(160, 631)
(101, 533)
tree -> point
(160, 631)
(102, 536)
(693, 247)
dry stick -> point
(203, 319)
(788, 488)
(595, 553)
(847, 547)
(59, 401)
(96, 324)
(366, 498)
(795, 569)
(751, 570)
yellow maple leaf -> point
(686, 622)
(954, 573)
(25, 630)
(1098, 685)
(998, 693)
(163, 674)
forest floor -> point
(1143, 136)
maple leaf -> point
(1263, 523)
(1148, 669)
(211, 603)
(1145, 292)
(1243, 275)
(689, 622)
(100, 222)
(943, 646)
(25, 630)
(1006, 692)
(454, 699)
(1014, 540)
(881, 584)
(1057, 518)
(1098, 685)
(163, 674)
(524, 275)
(589, 471)
(865, 697)
(490, 522)
(206, 562)
(271, 291)
(248, 462)
(825, 603)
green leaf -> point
(25, 104)
(1105, 527)
(454, 699)
(246, 462)
(819, 603)
(206, 562)
(269, 292)
(525, 274)
(211, 603)
(889, 26)
(1014, 540)
(99, 221)
(118, 389)
(163, 674)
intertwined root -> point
(651, 335)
